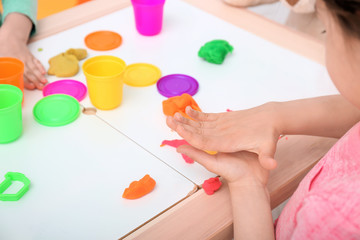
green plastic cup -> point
(10, 113)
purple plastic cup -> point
(148, 16)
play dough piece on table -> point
(138, 189)
(141, 74)
(66, 64)
(79, 53)
(103, 40)
(211, 185)
(178, 104)
(176, 143)
(215, 51)
(63, 65)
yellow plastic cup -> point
(12, 72)
(10, 113)
(104, 77)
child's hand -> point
(239, 168)
(252, 130)
(14, 35)
(34, 72)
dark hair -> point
(347, 13)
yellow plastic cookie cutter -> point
(9, 178)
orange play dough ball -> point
(138, 189)
(178, 104)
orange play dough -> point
(103, 40)
(138, 189)
(211, 152)
(178, 104)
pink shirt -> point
(326, 205)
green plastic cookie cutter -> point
(9, 178)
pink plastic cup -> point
(148, 16)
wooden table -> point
(200, 216)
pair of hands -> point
(246, 141)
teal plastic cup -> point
(10, 113)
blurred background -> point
(46, 7)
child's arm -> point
(329, 116)
(14, 35)
(258, 129)
(247, 183)
(251, 212)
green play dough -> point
(215, 51)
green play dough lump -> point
(215, 51)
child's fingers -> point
(268, 163)
(41, 69)
(28, 84)
(181, 119)
(170, 121)
(197, 137)
(207, 160)
(198, 124)
(183, 128)
(266, 156)
(34, 75)
(38, 69)
(32, 79)
(200, 116)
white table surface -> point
(78, 174)
(256, 72)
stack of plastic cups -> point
(10, 113)
(11, 72)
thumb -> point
(266, 156)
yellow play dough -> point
(79, 53)
(211, 152)
(66, 64)
(63, 65)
